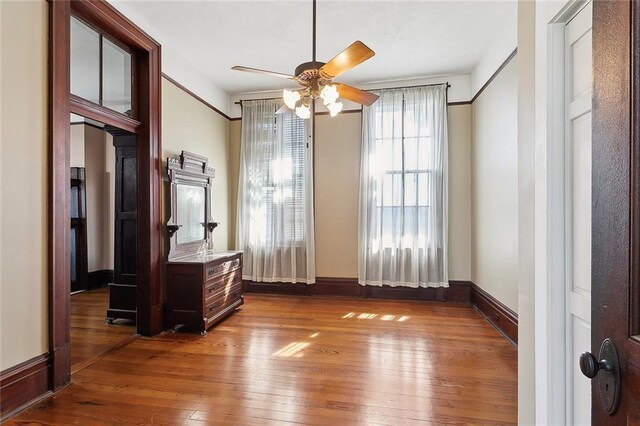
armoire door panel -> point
(122, 293)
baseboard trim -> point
(458, 291)
(500, 316)
(23, 385)
(346, 287)
(101, 278)
(300, 289)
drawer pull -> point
(212, 308)
(212, 288)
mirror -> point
(190, 203)
(190, 225)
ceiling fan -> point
(317, 79)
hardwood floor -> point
(91, 336)
(297, 359)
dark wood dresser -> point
(203, 288)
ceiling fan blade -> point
(350, 57)
(356, 95)
(259, 71)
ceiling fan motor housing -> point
(308, 70)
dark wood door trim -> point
(59, 174)
(102, 114)
(147, 102)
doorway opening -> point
(102, 244)
(116, 34)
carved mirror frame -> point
(192, 170)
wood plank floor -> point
(91, 336)
(308, 360)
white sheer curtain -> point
(403, 189)
(275, 196)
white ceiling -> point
(411, 38)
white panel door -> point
(578, 88)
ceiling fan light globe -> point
(334, 108)
(290, 97)
(329, 94)
(303, 112)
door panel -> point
(581, 386)
(581, 204)
(578, 209)
(126, 215)
(616, 200)
(123, 291)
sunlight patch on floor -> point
(368, 316)
(293, 349)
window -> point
(275, 195)
(403, 189)
(405, 155)
(283, 189)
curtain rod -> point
(370, 90)
(256, 99)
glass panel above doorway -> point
(101, 70)
(85, 61)
(116, 78)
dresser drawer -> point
(213, 271)
(225, 299)
(216, 285)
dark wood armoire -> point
(123, 290)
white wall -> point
(99, 243)
(494, 189)
(504, 43)
(93, 149)
(460, 146)
(76, 145)
(174, 64)
(337, 172)
(23, 181)
(526, 154)
(109, 201)
(189, 125)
